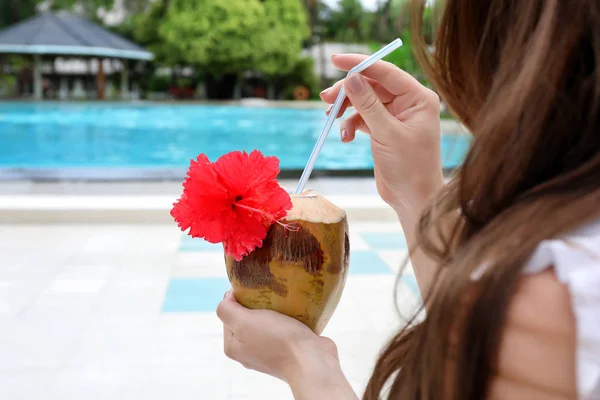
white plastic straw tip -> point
(382, 53)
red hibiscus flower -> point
(232, 201)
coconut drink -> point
(301, 268)
(283, 253)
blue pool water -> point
(105, 135)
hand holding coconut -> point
(274, 351)
(284, 348)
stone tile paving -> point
(127, 312)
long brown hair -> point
(524, 77)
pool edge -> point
(153, 174)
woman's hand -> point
(283, 347)
(403, 118)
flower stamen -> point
(293, 227)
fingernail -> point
(344, 135)
(355, 83)
(329, 109)
(325, 91)
(226, 294)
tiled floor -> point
(127, 312)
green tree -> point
(13, 11)
(221, 36)
(135, 7)
(146, 32)
(225, 38)
(286, 25)
(403, 57)
(400, 12)
(383, 16)
(90, 8)
(312, 10)
(287, 29)
(87, 8)
(393, 18)
(349, 23)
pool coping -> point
(153, 174)
(151, 209)
(91, 174)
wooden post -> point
(37, 77)
(101, 79)
(124, 80)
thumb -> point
(230, 312)
(367, 103)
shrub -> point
(159, 83)
(303, 74)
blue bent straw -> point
(337, 105)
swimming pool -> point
(155, 137)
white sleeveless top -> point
(576, 261)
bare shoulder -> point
(538, 348)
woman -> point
(507, 255)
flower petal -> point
(204, 207)
(241, 172)
(250, 234)
(271, 199)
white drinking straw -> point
(337, 105)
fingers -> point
(351, 125)
(231, 313)
(231, 344)
(329, 95)
(392, 78)
(367, 103)
(343, 108)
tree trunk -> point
(15, 7)
(237, 88)
(201, 90)
(383, 28)
(317, 36)
(221, 87)
(311, 5)
(165, 5)
(101, 80)
(401, 22)
(271, 92)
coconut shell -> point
(300, 273)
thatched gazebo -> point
(62, 34)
